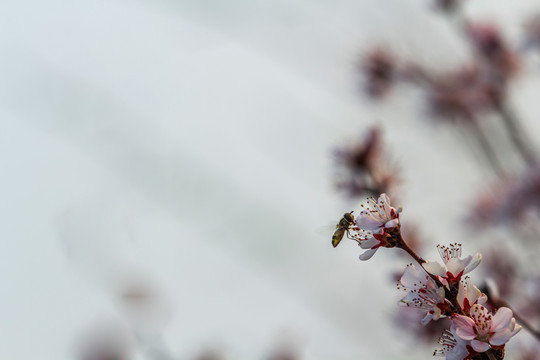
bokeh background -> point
(167, 174)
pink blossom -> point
(468, 295)
(454, 265)
(423, 294)
(484, 329)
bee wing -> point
(326, 229)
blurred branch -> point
(487, 148)
(517, 136)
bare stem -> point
(411, 252)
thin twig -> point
(411, 252)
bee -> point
(343, 227)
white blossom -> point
(372, 242)
(454, 265)
(378, 215)
(423, 294)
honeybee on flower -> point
(436, 290)
(376, 226)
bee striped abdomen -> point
(342, 226)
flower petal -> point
(482, 299)
(434, 268)
(411, 297)
(426, 319)
(516, 330)
(464, 326)
(383, 199)
(474, 263)
(368, 254)
(464, 292)
(456, 265)
(475, 295)
(500, 337)
(384, 204)
(368, 222)
(481, 315)
(392, 223)
(479, 346)
(369, 243)
(459, 352)
(501, 319)
(413, 278)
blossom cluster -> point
(476, 327)
(479, 329)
